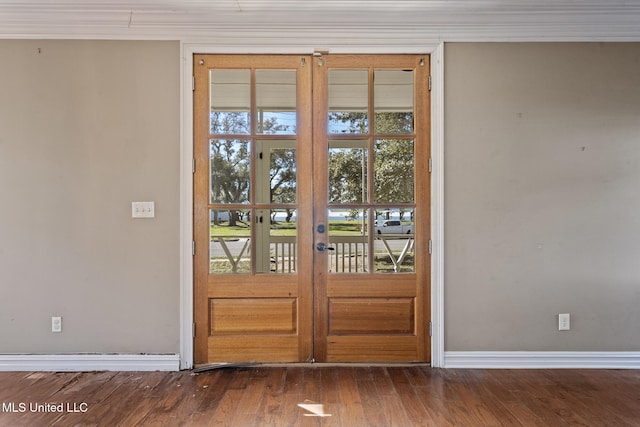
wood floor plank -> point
(225, 410)
(504, 399)
(622, 384)
(140, 391)
(189, 401)
(206, 390)
(431, 387)
(270, 408)
(354, 396)
(7, 385)
(245, 413)
(331, 400)
(370, 397)
(413, 405)
(166, 402)
(531, 401)
(395, 401)
(310, 385)
(295, 392)
(42, 393)
(239, 377)
(482, 412)
(330, 386)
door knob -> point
(321, 247)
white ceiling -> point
(337, 22)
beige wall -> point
(87, 127)
(542, 196)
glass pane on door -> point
(276, 171)
(348, 101)
(230, 101)
(230, 240)
(348, 171)
(393, 106)
(394, 171)
(230, 170)
(283, 236)
(348, 240)
(394, 240)
(276, 102)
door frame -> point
(187, 50)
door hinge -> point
(193, 83)
(430, 164)
(318, 54)
(430, 246)
(429, 83)
(193, 165)
(430, 329)
(193, 330)
(193, 248)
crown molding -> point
(291, 22)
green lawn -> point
(283, 228)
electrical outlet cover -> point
(56, 324)
(143, 210)
(564, 322)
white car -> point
(392, 226)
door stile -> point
(200, 223)
(320, 214)
(305, 207)
(423, 198)
(370, 180)
(254, 146)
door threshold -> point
(239, 365)
(216, 366)
(348, 364)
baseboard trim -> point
(89, 362)
(542, 359)
(452, 360)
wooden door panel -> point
(255, 348)
(374, 348)
(253, 316)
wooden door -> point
(371, 151)
(311, 208)
(252, 208)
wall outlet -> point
(564, 322)
(56, 324)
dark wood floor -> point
(352, 396)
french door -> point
(311, 208)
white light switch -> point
(143, 210)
